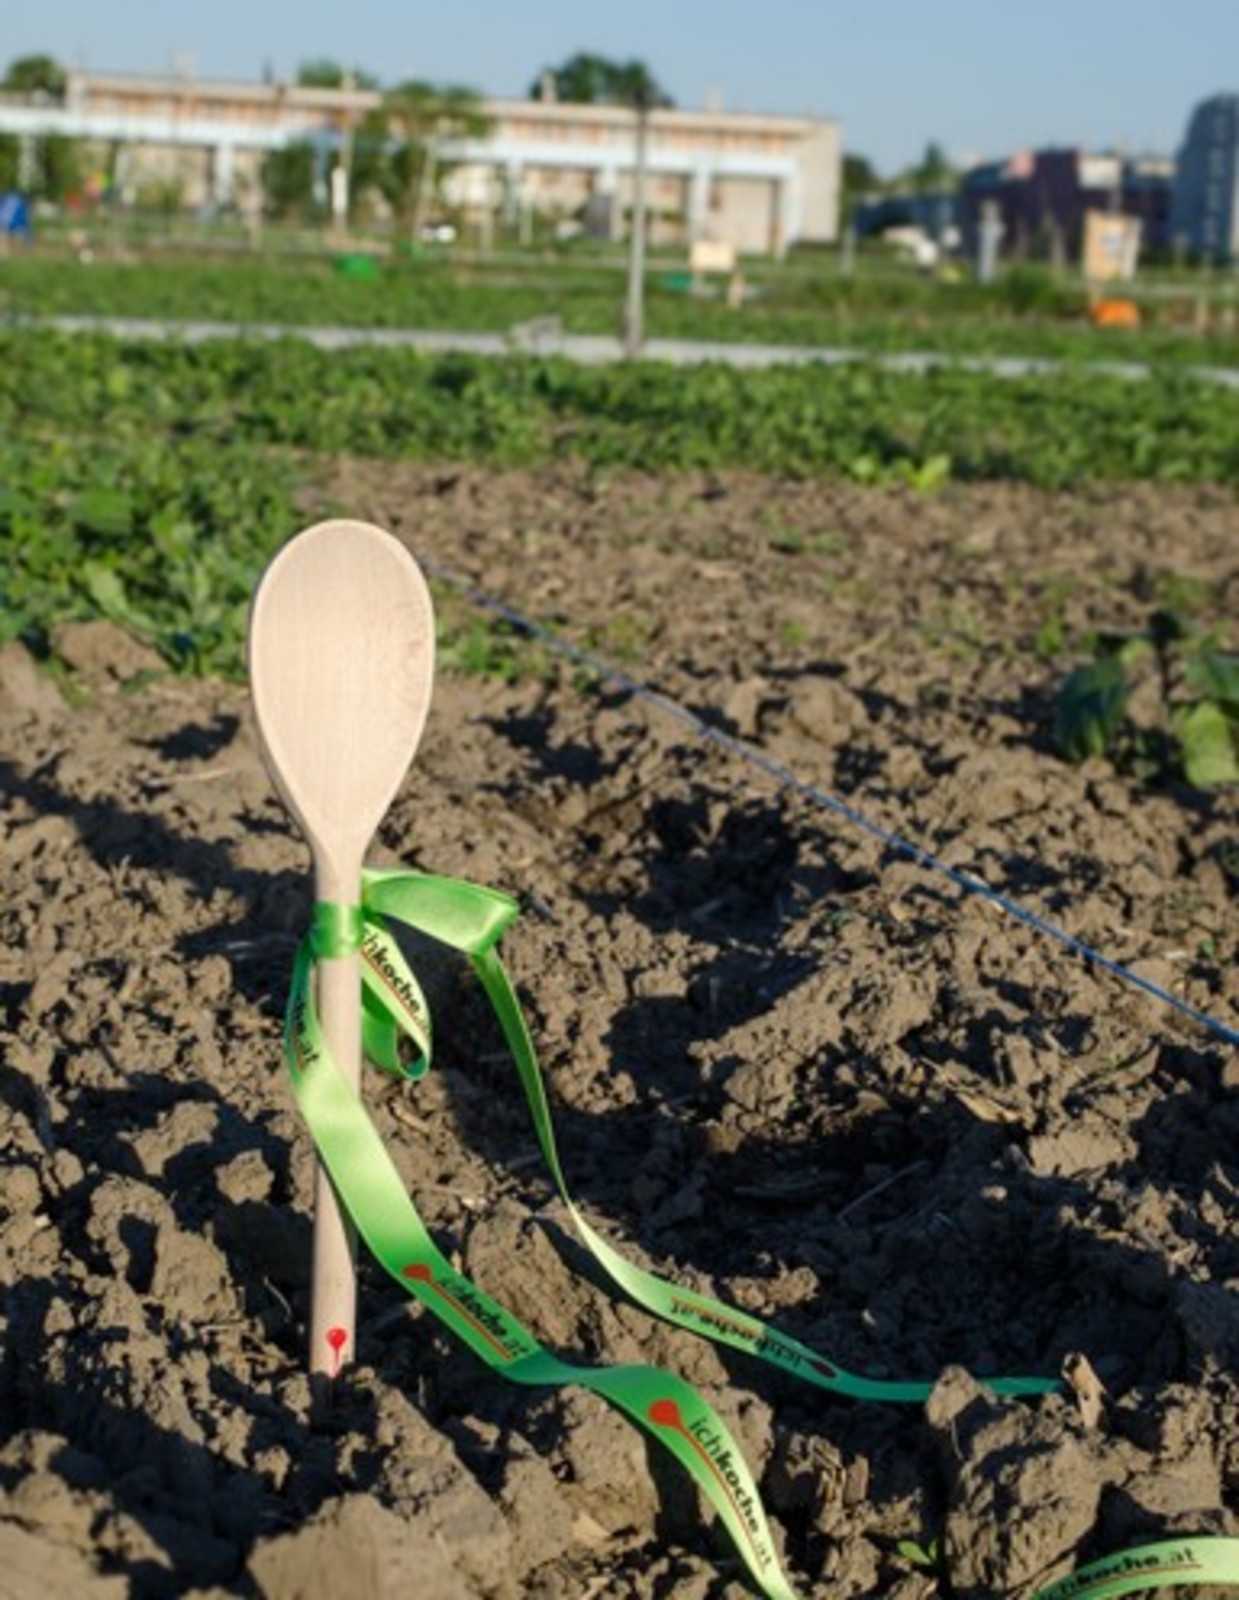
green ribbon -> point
(374, 1195)
(472, 920)
(1172, 1564)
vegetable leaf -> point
(1089, 710)
(1207, 739)
(1214, 676)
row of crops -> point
(1028, 311)
(148, 481)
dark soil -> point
(788, 1065)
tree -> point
(420, 118)
(288, 177)
(935, 172)
(52, 167)
(59, 167)
(10, 161)
(326, 74)
(369, 162)
(859, 175)
(35, 75)
(858, 182)
(585, 79)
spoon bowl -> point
(341, 662)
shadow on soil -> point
(891, 1234)
(259, 943)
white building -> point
(760, 183)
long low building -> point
(758, 183)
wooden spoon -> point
(341, 663)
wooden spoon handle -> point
(334, 1300)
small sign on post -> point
(1111, 247)
(717, 256)
(711, 255)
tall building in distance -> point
(1204, 216)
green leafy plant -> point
(1161, 702)
(852, 421)
(148, 482)
(482, 646)
(927, 1555)
(165, 540)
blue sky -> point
(982, 77)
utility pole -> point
(634, 306)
